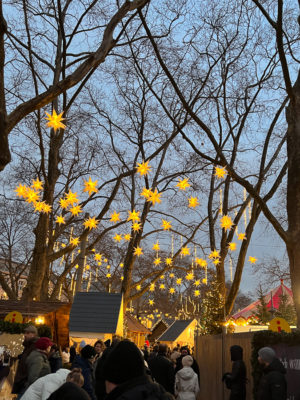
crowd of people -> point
(119, 370)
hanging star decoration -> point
(37, 184)
(138, 287)
(156, 246)
(46, 208)
(54, 120)
(60, 220)
(220, 172)
(108, 275)
(183, 184)
(90, 223)
(145, 193)
(138, 251)
(232, 246)
(226, 222)
(178, 281)
(118, 238)
(169, 261)
(90, 186)
(162, 286)
(172, 275)
(157, 261)
(71, 197)
(166, 225)
(75, 210)
(133, 216)
(154, 197)
(214, 254)
(127, 237)
(241, 236)
(143, 168)
(252, 260)
(193, 202)
(98, 257)
(151, 302)
(197, 282)
(216, 261)
(201, 262)
(21, 190)
(63, 203)
(197, 293)
(121, 265)
(39, 206)
(204, 280)
(31, 196)
(185, 251)
(152, 287)
(136, 226)
(171, 290)
(74, 241)
(189, 276)
(162, 277)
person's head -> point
(184, 351)
(155, 348)
(44, 344)
(187, 361)
(99, 346)
(88, 352)
(54, 348)
(162, 348)
(266, 355)
(30, 332)
(124, 363)
(66, 349)
(236, 353)
(82, 344)
(76, 377)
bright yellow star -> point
(37, 184)
(154, 197)
(226, 222)
(252, 260)
(75, 210)
(214, 254)
(136, 226)
(171, 290)
(152, 287)
(178, 281)
(115, 217)
(189, 276)
(162, 286)
(143, 168)
(60, 220)
(31, 196)
(166, 225)
(90, 223)
(241, 236)
(21, 190)
(133, 216)
(121, 265)
(232, 246)
(74, 241)
(98, 257)
(122, 278)
(46, 208)
(90, 186)
(138, 251)
(162, 277)
(171, 275)
(196, 293)
(169, 261)
(216, 261)
(157, 261)
(71, 197)
(63, 203)
(197, 282)
(151, 302)
(145, 193)
(38, 206)
(185, 251)
(127, 237)
(204, 280)
(193, 202)
(138, 287)
(118, 237)
(220, 172)
(183, 184)
(108, 275)
(55, 120)
(156, 246)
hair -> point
(54, 347)
(76, 377)
(162, 348)
(99, 342)
(187, 361)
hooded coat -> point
(38, 365)
(273, 385)
(43, 387)
(186, 384)
(87, 372)
(236, 380)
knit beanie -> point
(123, 363)
(187, 361)
(236, 353)
(88, 352)
(267, 354)
(43, 343)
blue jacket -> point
(87, 372)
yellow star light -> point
(156, 246)
(55, 121)
(216, 261)
(154, 197)
(152, 287)
(46, 208)
(185, 251)
(166, 225)
(115, 217)
(169, 261)
(193, 202)
(38, 206)
(99, 263)
(74, 241)
(136, 226)
(143, 168)
(122, 278)
(121, 265)
(162, 286)
(189, 276)
(60, 220)
(214, 254)
(63, 203)
(204, 280)
(127, 237)
(151, 302)
(197, 282)
(21, 190)
(133, 216)
(252, 260)
(220, 172)
(171, 290)
(183, 184)
(241, 236)
(162, 277)
(98, 257)
(226, 222)
(232, 246)
(118, 237)
(157, 261)
(90, 186)
(145, 193)
(75, 210)
(37, 184)
(197, 293)
(105, 260)
(108, 275)
(172, 275)
(31, 196)
(90, 223)
(138, 251)
(179, 281)
(138, 287)
(71, 197)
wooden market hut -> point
(54, 314)
(136, 332)
(96, 315)
(181, 332)
(159, 328)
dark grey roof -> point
(174, 330)
(95, 312)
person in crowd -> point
(72, 388)
(174, 355)
(154, 352)
(162, 369)
(37, 362)
(236, 379)
(184, 351)
(145, 351)
(84, 361)
(73, 351)
(99, 378)
(99, 347)
(30, 337)
(186, 381)
(125, 378)
(65, 356)
(55, 359)
(272, 385)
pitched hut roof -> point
(135, 326)
(175, 330)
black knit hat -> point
(88, 352)
(125, 362)
(236, 352)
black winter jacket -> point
(162, 371)
(236, 380)
(140, 388)
(272, 385)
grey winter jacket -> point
(37, 365)
(186, 384)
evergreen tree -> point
(211, 309)
(262, 312)
(286, 310)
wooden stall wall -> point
(59, 323)
(213, 356)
